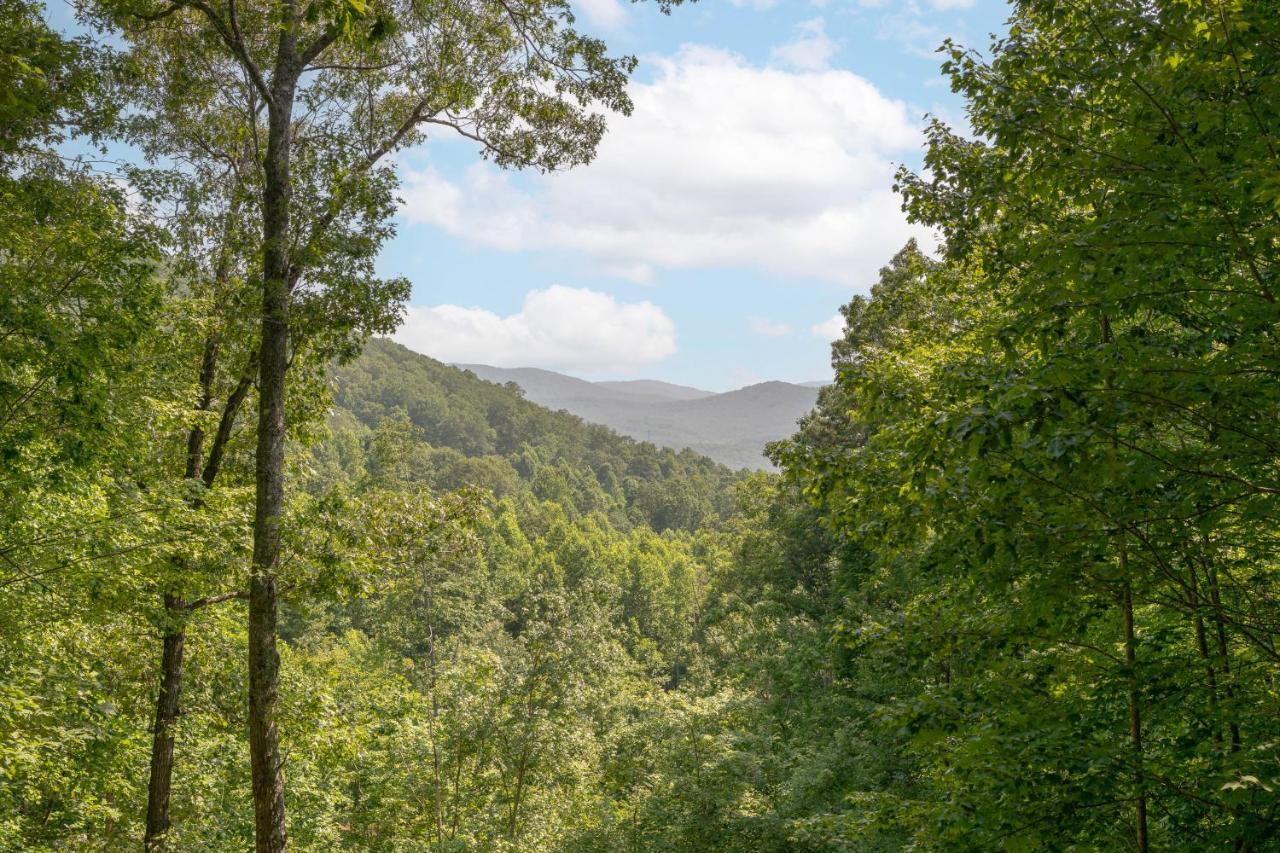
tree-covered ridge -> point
(470, 432)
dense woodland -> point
(268, 579)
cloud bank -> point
(723, 164)
(559, 328)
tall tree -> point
(80, 297)
(209, 253)
(210, 204)
(336, 87)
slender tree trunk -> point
(1135, 713)
(273, 361)
(229, 411)
(1224, 654)
(161, 780)
(1131, 661)
(513, 825)
(1202, 646)
(264, 658)
(208, 374)
(437, 793)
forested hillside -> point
(464, 431)
(268, 580)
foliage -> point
(1015, 587)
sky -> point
(722, 224)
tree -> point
(207, 273)
(368, 78)
(1129, 248)
(80, 298)
(1052, 444)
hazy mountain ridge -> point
(655, 388)
(731, 427)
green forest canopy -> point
(1015, 587)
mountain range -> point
(731, 427)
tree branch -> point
(229, 411)
(334, 205)
(236, 42)
(317, 47)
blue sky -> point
(723, 223)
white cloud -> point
(945, 5)
(810, 50)
(723, 164)
(605, 14)
(561, 328)
(768, 328)
(829, 329)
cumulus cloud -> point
(768, 328)
(723, 164)
(829, 329)
(605, 14)
(810, 50)
(562, 328)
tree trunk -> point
(160, 784)
(1224, 654)
(513, 825)
(273, 360)
(1131, 660)
(234, 400)
(1135, 714)
(1202, 646)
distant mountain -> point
(731, 428)
(557, 391)
(655, 389)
